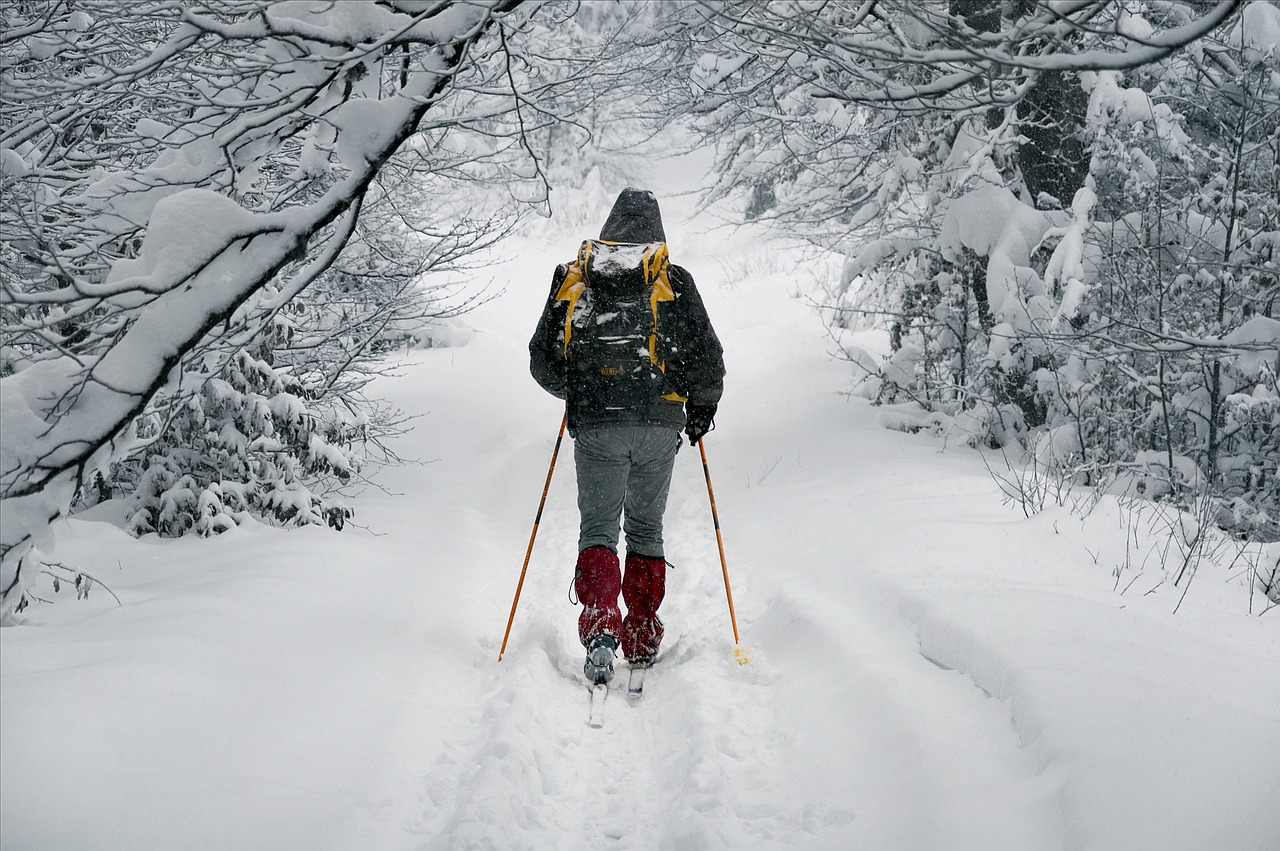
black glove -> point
(701, 419)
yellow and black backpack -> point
(611, 339)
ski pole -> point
(536, 520)
(715, 517)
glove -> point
(701, 419)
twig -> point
(78, 572)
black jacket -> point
(693, 355)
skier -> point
(625, 340)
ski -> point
(635, 684)
(595, 713)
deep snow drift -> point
(931, 669)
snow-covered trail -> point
(840, 732)
(931, 670)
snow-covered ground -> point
(931, 670)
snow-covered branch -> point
(926, 56)
(164, 164)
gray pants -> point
(624, 471)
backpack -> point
(610, 337)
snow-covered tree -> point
(779, 83)
(283, 428)
(982, 166)
(1182, 289)
(1132, 334)
(175, 175)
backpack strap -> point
(657, 266)
(575, 281)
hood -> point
(634, 218)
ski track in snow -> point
(316, 691)
(684, 768)
(714, 754)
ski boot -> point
(599, 664)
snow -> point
(612, 259)
(149, 128)
(365, 126)
(993, 223)
(1109, 100)
(1259, 338)
(1059, 446)
(931, 669)
(323, 18)
(1066, 263)
(201, 221)
(712, 70)
(1259, 30)
(12, 163)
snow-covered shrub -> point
(1182, 293)
(1134, 331)
(250, 442)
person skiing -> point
(625, 340)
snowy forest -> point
(223, 221)
(216, 220)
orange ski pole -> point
(715, 516)
(534, 534)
